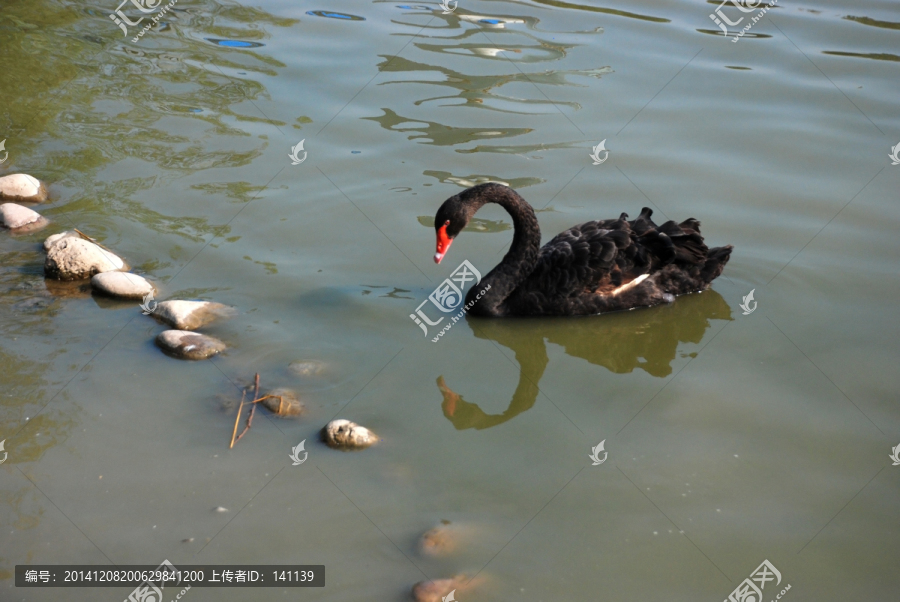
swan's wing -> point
(577, 260)
(598, 257)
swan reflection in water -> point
(645, 339)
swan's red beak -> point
(443, 243)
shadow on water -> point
(644, 339)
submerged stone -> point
(284, 403)
(441, 540)
(435, 589)
(188, 345)
(307, 367)
(191, 315)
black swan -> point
(591, 268)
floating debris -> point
(331, 15)
(234, 43)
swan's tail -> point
(715, 262)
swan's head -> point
(456, 212)
(449, 221)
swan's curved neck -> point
(518, 262)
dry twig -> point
(237, 419)
(93, 240)
(256, 400)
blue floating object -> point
(195, 110)
(491, 21)
(331, 15)
(413, 7)
(234, 43)
(355, 152)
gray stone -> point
(191, 315)
(22, 187)
(21, 219)
(121, 284)
(343, 434)
(76, 258)
(188, 345)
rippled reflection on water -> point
(623, 342)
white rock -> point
(188, 345)
(121, 284)
(76, 258)
(191, 315)
(17, 217)
(55, 238)
(343, 434)
(22, 187)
